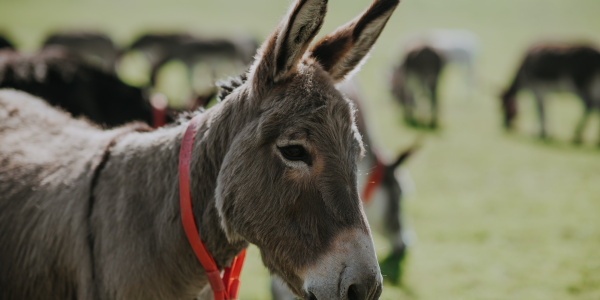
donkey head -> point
(288, 183)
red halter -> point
(159, 110)
(225, 288)
(373, 180)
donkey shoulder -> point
(47, 165)
(36, 133)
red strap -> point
(221, 288)
(373, 181)
(159, 110)
(234, 280)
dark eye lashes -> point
(295, 153)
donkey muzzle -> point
(349, 271)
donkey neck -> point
(216, 131)
(149, 198)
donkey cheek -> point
(318, 165)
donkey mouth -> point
(365, 290)
(354, 261)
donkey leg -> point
(434, 104)
(156, 67)
(154, 72)
(409, 107)
(598, 110)
(391, 266)
(588, 106)
(578, 137)
(539, 100)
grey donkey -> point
(414, 84)
(383, 206)
(87, 213)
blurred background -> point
(494, 215)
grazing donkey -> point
(162, 48)
(274, 164)
(458, 46)
(382, 184)
(419, 73)
(65, 80)
(555, 67)
(158, 48)
(95, 47)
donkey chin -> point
(352, 257)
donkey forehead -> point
(310, 107)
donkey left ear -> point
(341, 51)
(281, 52)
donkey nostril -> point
(352, 293)
(310, 296)
(356, 293)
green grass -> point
(497, 216)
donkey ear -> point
(342, 51)
(281, 52)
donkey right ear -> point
(343, 50)
(281, 52)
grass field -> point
(497, 216)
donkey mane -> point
(228, 85)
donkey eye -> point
(294, 153)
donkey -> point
(5, 43)
(383, 199)
(64, 79)
(383, 205)
(458, 46)
(419, 72)
(103, 222)
(238, 51)
(95, 47)
(554, 67)
(159, 49)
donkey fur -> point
(93, 214)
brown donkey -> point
(92, 214)
(159, 49)
(64, 79)
(555, 67)
(383, 184)
(96, 48)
